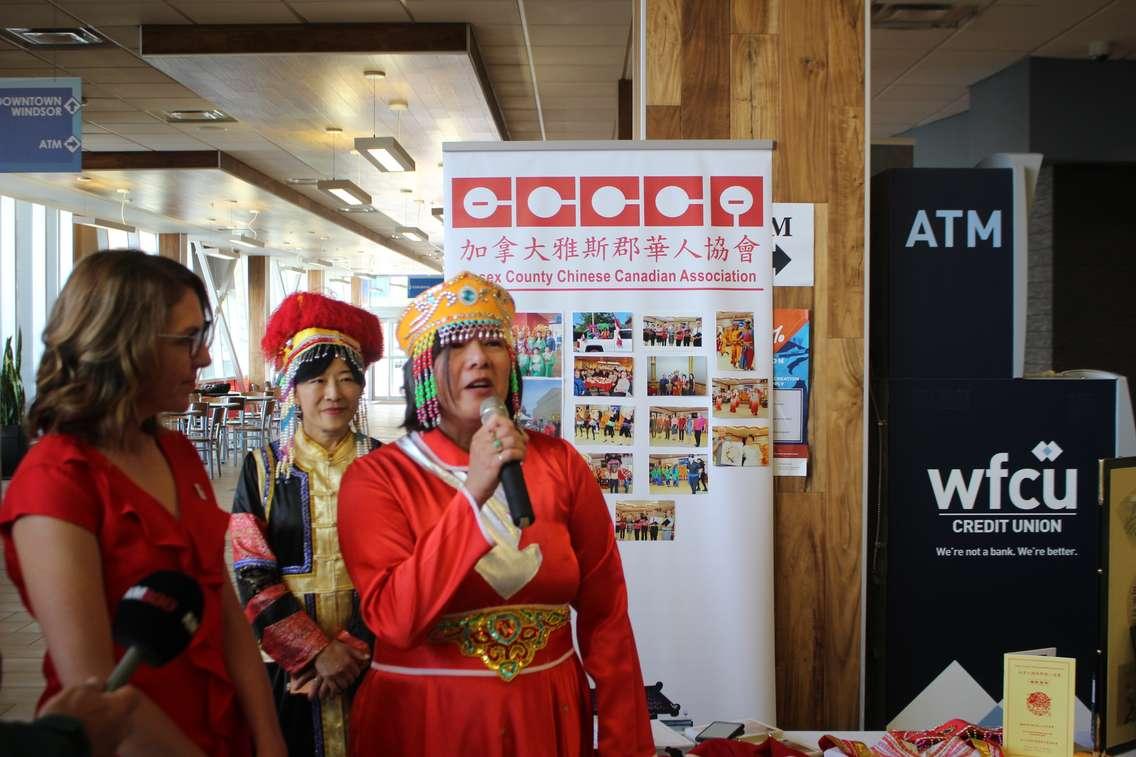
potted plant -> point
(13, 443)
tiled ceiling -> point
(921, 76)
(579, 51)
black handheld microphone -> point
(513, 481)
(155, 621)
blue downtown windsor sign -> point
(41, 125)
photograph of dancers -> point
(740, 398)
(604, 424)
(733, 341)
(672, 331)
(645, 520)
(678, 426)
(674, 474)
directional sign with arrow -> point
(793, 244)
(41, 125)
(780, 258)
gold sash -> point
(506, 638)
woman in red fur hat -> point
(295, 590)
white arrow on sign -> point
(793, 244)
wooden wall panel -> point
(801, 160)
(174, 247)
(664, 62)
(754, 86)
(795, 73)
(84, 241)
(664, 122)
(845, 303)
(257, 315)
(842, 525)
(705, 111)
(799, 618)
(755, 16)
(315, 281)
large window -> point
(35, 261)
(283, 280)
(226, 280)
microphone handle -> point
(125, 668)
(517, 494)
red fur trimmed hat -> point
(306, 319)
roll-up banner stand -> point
(642, 274)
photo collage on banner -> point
(540, 339)
(638, 300)
(739, 393)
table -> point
(180, 421)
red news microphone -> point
(155, 621)
(512, 480)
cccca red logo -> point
(481, 203)
(565, 201)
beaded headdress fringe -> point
(290, 416)
(453, 334)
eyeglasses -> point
(202, 337)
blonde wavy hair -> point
(101, 344)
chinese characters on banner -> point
(642, 274)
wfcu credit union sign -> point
(41, 125)
(994, 530)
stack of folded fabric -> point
(955, 738)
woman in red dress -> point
(106, 497)
(473, 649)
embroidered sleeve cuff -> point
(477, 516)
(293, 642)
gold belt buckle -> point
(505, 639)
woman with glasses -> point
(296, 592)
(107, 496)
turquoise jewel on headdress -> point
(468, 295)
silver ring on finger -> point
(499, 458)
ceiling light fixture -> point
(914, 16)
(54, 37)
(384, 153)
(246, 240)
(102, 223)
(414, 233)
(211, 116)
(343, 191)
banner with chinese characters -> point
(642, 273)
